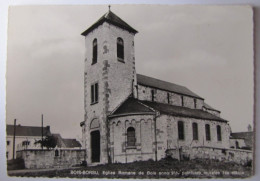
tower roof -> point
(113, 19)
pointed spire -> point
(113, 19)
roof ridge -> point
(149, 107)
(161, 80)
(113, 19)
(165, 85)
(121, 103)
(164, 108)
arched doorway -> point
(95, 146)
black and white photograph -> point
(130, 91)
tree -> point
(48, 142)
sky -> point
(208, 49)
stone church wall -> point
(161, 96)
(114, 78)
(144, 148)
(167, 127)
(166, 136)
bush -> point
(15, 164)
(248, 163)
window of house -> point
(168, 98)
(152, 92)
(94, 93)
(219, 133)
(195, 131)
(26, 143)
(120, 49)
(131, 136)
(94, 58)
(195, 103)
(7, 155)
(207, 130)
(237, 144)
(181, 130)
(56, 152)
(7, 142)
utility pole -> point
(14, 139)
(42, 132)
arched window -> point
(181, 130)
(56, 152)
(94, 59)
(152, 94)
(219, 133)
(131, 136)
(207, 130)
(120, 49)
(195, 131)
(195, 103)
(237, 145)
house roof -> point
(66, 142)
(160, 84)
(113, 19)
(209, 107)
(71, 143)
(59, 140)
(247, 136)
(132, 105)
(182, 111)
(27, 130)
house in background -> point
(25, 137)
(242, 140)
(66, 143)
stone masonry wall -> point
(161, 96)
(145, 142)
(229, 155)
(167, 134)
(115, 79)
(35, 159)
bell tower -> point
(109, 78)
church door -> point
(95, 146)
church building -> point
(132, 117)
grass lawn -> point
(201, 168)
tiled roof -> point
(27, 130)
(59, 140)
(159, 84)
(182, 111)
(71, 143)
(209, 107)
(247, 136)
(113, 19)
(132, 105)
(65, 142)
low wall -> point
(47, 158)
(230, 155)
